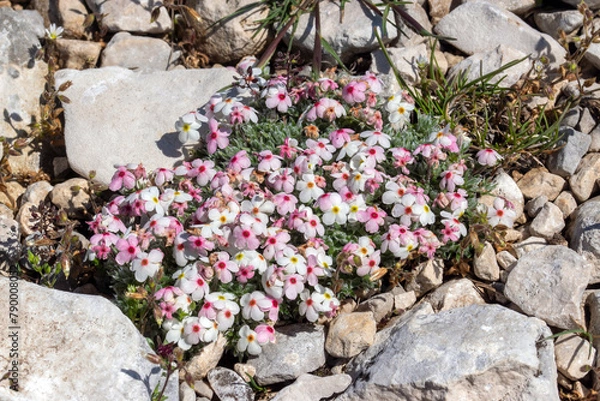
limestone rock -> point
(381, 305)
(235, 38)
(551, 22)
(573, 145)
(585, 232)
(95, 121)
(72, 14)
(539, 181)
(583, 182)
(299, 348)
(482, 63)
(457, 355)
(72, 196)
(574, 357)
(208, 358)
(566, 203)
(506, 260)
(536, 204)
(350, 333)
(518, 7)
(406, 61)
(21, 80)
(36, 192)
(470, 24)
(137, 53)
(548, 222)
(485, 265)
(403, 301)
(350, 36)
(548, 283)
(79, 347)
(529, 244)
(314, 388)
(131, 16)
(78, 54)
(428, 275)
(455, 294)
(229, 386)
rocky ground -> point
(435, 338)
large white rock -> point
(117, 116)
(479, 352)
(479, 26)
(75, 347)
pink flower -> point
(373, 218)
(224, 267)
(450, 179)
(128, 249)
(191, 282)
(122, 178)
(327, 109)
(268, 161)
(278, 98)
(340, 137)
(322, 148)
(354, 92)
(285, 203)
(375, 84)
(275, 242)
(245, 238)
(265, 334)
(239, 162)
(293, 285)
(289, 148)
(216, 138)
(488, 157)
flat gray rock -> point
(585, 233)
(229, 386)
(131, 16)
(138, 53)
(314, 388)
(548, 283)
(77, 347)
(479, 352)
(350, 36)
(298, 349)
(479, 26)
(572, 146)
(117, 116)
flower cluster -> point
(282, 228)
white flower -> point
(338, 212)
(146, 264)
(248, 342)
(188, 126)
(308, 188)
(54, 32)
